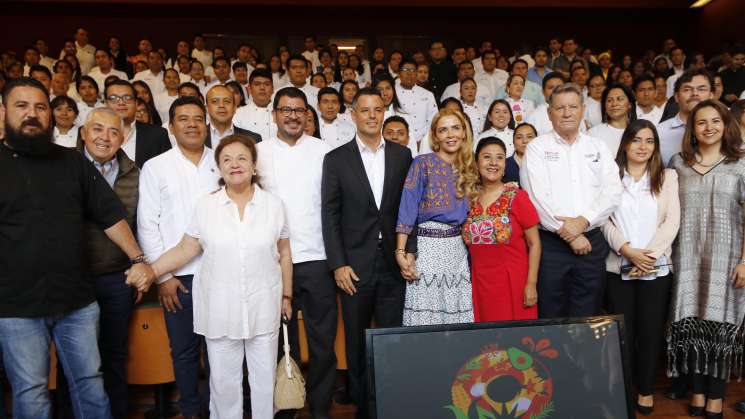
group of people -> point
(416, 191)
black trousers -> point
(644, 306)
(314, 292)
(570, 285)
(380, 297)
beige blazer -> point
(668, 222)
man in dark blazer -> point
(221, 108)
(142, 142)
(361, 190)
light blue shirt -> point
(532, 92)
(109, 170)
(537, 78)
(671, 133)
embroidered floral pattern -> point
(493, 225)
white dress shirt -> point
(506, 135)
(494, 81)
(421, 106)
(653, 116)
(256, 119)
(483, 92)
(671, 81)
(574, 180)
(154, 81)
(279, 80)
(478, 65)
(204, 56)
(293, 173)
(476, 113)
(312, 56)
(69, 140)
(671, 133)
(163, 102)
(216, 136)
(374, 163)
(84, 110)
(539, 119)
(336, 133)
(237, 289)
(100, 77)
(86, 57)
(609, 135)
(170, 187)
(129, 146)
(593, 114)
(636, 218)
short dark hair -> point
(108, 54)
(489, 52)
(32, 48)
(550, 76)
(291, 92)
(465, 62)
(328, 91)
(487, 141)
(89, 79)
(445, 102)
(38, 68)
(688, 76)
(519, 60)
(119, 82)
(406, 60)
(221, 58)
(396, 118)
(239, 64)
(296, 57)
(261, 72)
(22, 82)
(65, 100)
(644, 77)
(365, 91)
(188, 85)
(183, 101)
(544, 49)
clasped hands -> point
(571, 232)
(140, 276)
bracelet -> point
(139, 259)
(399, 252)
(289, 297)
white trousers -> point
(226, 375)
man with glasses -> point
(572, 179)
(290, 165)
(141, 141)
(692, 87)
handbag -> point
(289, 389)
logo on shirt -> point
(551, 155)
(595, 157)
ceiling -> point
(624, 4)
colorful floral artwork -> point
(505, 382)
(493, 225)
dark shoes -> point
(696, 410)
(740, 406)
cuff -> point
(404, 229)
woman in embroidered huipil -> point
(435, 202)
(501, 233)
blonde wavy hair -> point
(464, 162)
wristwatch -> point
(139, 259)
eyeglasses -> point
(287, 111)
(117, 99)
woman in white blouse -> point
(244, 283)
(65, 113)
(618, 108)
(640, 233)
(499, 123)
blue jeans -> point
(186, 351)
(24, 343)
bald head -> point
(220, 105)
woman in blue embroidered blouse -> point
(434, 201)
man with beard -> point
(48, 193)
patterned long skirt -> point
(442, 294)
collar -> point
(205, 151)
(72, 132)
(224, 199)
(303, 138)
(677, 122)
(363, 147)
(109, 164)
(560, 141)
(132, 132)
(214, 133)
